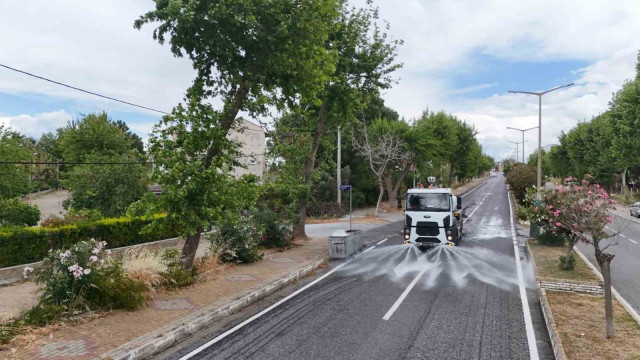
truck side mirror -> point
(459, 200)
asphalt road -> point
(395, 302)
(625, 267)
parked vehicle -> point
(635, 210)
(433, 217)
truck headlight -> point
(406, 236)
(449, 238)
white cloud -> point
(92, 44)
(35, 126)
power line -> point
(82, 90)
(101, 162)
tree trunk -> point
(189, 250)
(623, 190)
(569, 251)
(380, 185)
(229, 114)
(604, 260)
(392, 189)
(309, 164)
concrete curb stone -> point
(554, 335)
(154, 342)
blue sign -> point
(345, 187)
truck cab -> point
(433, 217)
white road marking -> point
(528, 324)
(624, 236)
(633, 241)
(263, 312)
(404, 294)
(383, 240)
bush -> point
(26, 245)
(522, 213)
(567, 263)
(39, 315)
(175, 276)
(327, 209)
(274, 232)
(16, 213)
(548, 238)
(82, 278)
(236, 239)
(519, 178)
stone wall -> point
(591, 288)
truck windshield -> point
(428, 202)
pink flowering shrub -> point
(83, 277)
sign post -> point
(345, 188)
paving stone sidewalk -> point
(95, 337)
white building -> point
(253, 148)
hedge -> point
(27, 245)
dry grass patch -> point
(580, 321)
(548, 264)
(367, 219)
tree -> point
(249, 53)
(197, 187)
(520, 177)
(382, 152)
(583, 210)
(625, 121)
(109, 188)
(14, 179)
(92, 134)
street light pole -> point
(522, 131)
(539, 95)
(517, 147)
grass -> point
(580, 321)
(548, 264)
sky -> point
(460, 57)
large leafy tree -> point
(365, 63)
(92, 134)
(249, 54)
(197, 188)
(109, 188)
(625, 121)
(14, 179)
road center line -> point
(404, 294)
(633, 241)
(383, 240)
(528, 323)
(263, 312)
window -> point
(428, 202)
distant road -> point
(49, 203)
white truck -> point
(432, 217)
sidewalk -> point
(95, 337)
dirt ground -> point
(548, 263)
(580, 321)
(49, 203)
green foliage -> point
(13, 212)
(175, 276)
(519, 178)
(236, 239)
(26, 245)
(39, 315)
(107, 188)
(567, 263)
(146, 206)
(548, 238)
(93, 135)
(14, 179)
(79, 278)
(274, 232)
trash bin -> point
(343, 244)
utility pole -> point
(539, 95)
(338, 175)
(516, 143)
(523, 131)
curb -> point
(154, 342)
(554, 335)
(616, 294)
